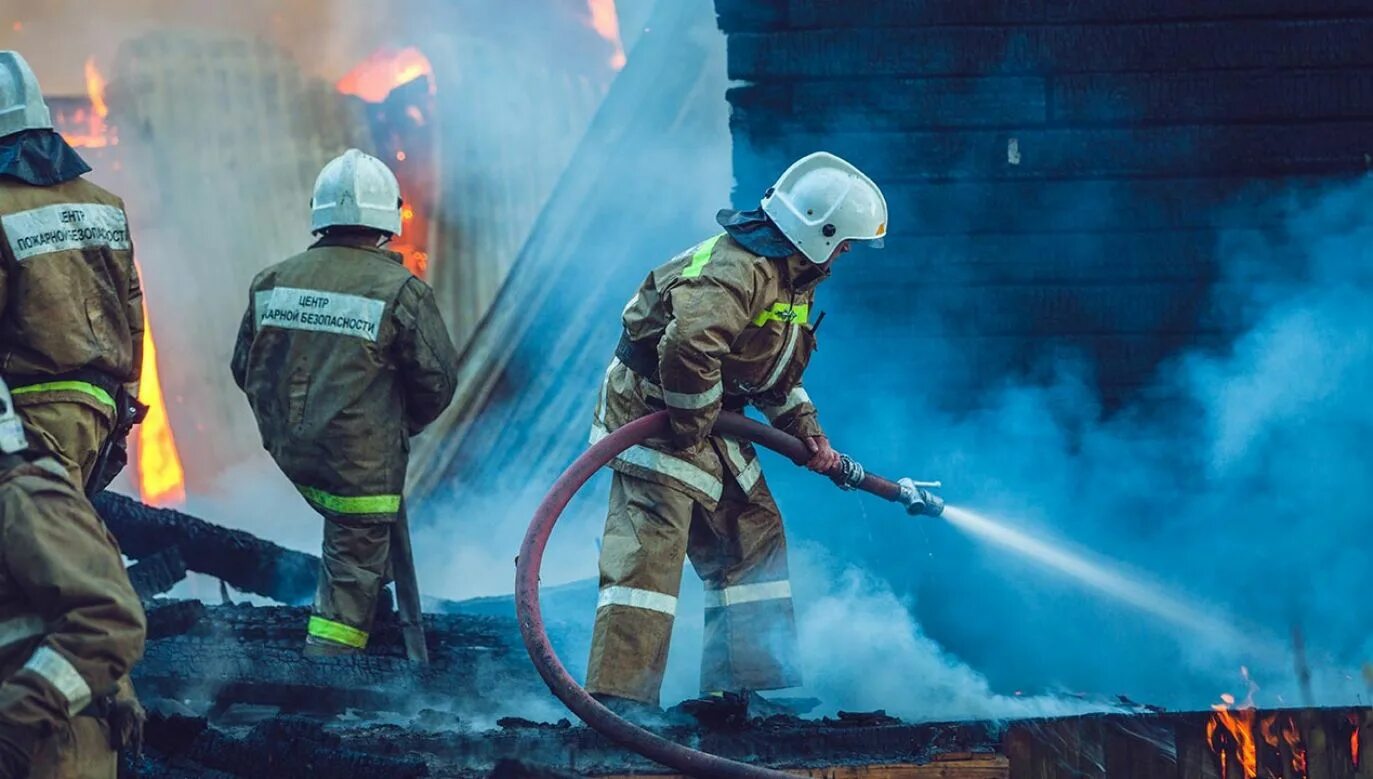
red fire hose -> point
(689, 761)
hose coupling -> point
(917, 498)
(850, 474)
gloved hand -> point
(126, 719)
(823, 459)
(16, 752)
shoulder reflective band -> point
(65, 227)
(86, 388)
(19, 628)
(362, 504)
(59, 672)
(747, 593)
(649, 600)
(785, 313)
(693, 400)
(701, 257)
(337, 632)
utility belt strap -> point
(639, 356)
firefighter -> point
(71, 626)
(71, 308)
(725, 324)
(344, 356)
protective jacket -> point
(716, 327)
(71, 308)
(71, 625)
(343, 355)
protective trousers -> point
(353, 568)
(77, 750)
(71, 433)
(738, 550)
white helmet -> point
(12, 439)
(822, 200)
(21, 101)
(356, 190)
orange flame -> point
(1354, 739)
(95, 134)
(1239, 726)
(606, 22)
(375, 77)
(161, 480)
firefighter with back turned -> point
(71, 308)
(725, 324)
(343, 355)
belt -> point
(639, 356)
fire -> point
(1354, 739)
(161, 480)
(1239, 726)
(375, 77)
(94, 133)
(606, 22)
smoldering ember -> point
(372, 369)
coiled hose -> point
(689, 761)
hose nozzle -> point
(917, 498)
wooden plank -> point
(1195, 758)
(1051, 49)
(1137, 747)
(1212, 96)
(888, 104)
(1174, 10)
(976, 767)
(1231, 150)
(1365, 744)
(911, 13)
(750, 15)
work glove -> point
(16, 752)
(126, 719)
(823, 459)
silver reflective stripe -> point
(746, 471)
(747, 593)
(20, 628)
(59, 672)
(323, 312)
(65, 227)
(693, 400)
(260, 300)
(788, 349)
(616, 595)
(666, 464)
(601, 400)
(794, 399)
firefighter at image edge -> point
(71, 308)
(727, 323)
(71, 625)
(344, 356)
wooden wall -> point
(1058, 170)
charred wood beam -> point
(155, 574)
(241, 559)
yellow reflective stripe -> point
(785, 313)
(337, 632)
(700, 258)
(361, 504)
(67, 386)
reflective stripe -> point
(601, 398)
(83, 387)
(361, 504)
(20, 628)
(49, 664)
(701, 258)
(747, 593)
(786, 313)
(693, 400)
(746, 471)
(64, 227)
(319, 311)
(665, 464)
(337, 632)
(795, 398)
(616, 595)
(788, 350)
